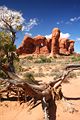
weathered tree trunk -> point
(45, 108)
(10, 62)
(49, 108)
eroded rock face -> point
(27, 46)
(71, 46)
(41, 45)
(55, 41)
(63, 46)
(49, 41)
(66, 46)
(36, 45)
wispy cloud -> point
(75, 19)
(32, 22)
(60, 22)
(62, 35)
(70, 21)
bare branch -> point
(59, 81)
(72, 66)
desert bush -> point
(29, 57)
(74, 58)
(55, 75)
(72, 75)
(43, 59)
(28, 77)
(18, 67)
(78, 73)
(2, 74)
(39, 74)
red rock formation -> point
(49, 41)
(27, 46)
(63, 46)
(55, 42)
(66, 46)
(71, 46)
(40, 43)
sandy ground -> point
(11, 110)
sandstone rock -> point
(66, 46)
(49, 41)
(71, 46)
(63, 46)
(27, 46)
(41, 44)
(55, 41)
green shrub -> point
(74, 58)
(2, 74)
(43, 59)
(18, 67)
(55, 74)
(39, 74)
(30, 58)
(28, 77)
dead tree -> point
(46, 93)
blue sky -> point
(64, 14)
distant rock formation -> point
(66, 46)
(41, 45)
(63, 46)
(55, 42)
(27, 46)
(71, 46)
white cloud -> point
(64, 35)
(48, 36)
(28, 26)
(58, 23)
(77, 39)
(28, 34)
(73, 19)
